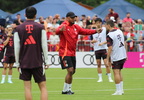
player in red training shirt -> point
(69, 32)
(30, 41)
(8, 54)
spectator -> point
(81, 44)
(94, 17)
(93, 26)
(1, 49)
(49, 32)
(83, 17)
(54, 24)
(57, 17)
(88, 20)
(140, 45)
(140, 21)
(106, 18)
(128, 19)
(84, 24)
(18, 21)
(114, 14)
(41, 20)
(54, 39)
(62, 20)
(78, 21)
(115, 25)
(50, 18)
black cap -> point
(70, 14)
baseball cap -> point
(132, 34)
(112, 18)
(70, 14)
(8, 26)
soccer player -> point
(100, 48)
(8, 54)
(117, 51)
(29, 43)
(69, 32)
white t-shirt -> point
(55, 26)
(118, 46)
(79, 23)
(54, 39)
(100, 37)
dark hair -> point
(30, 12)
(128, 12)
(111, 9)
(110, 22)
(83, 15)
(98, 19)
(18, 14)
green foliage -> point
(13, 6)
(139, 3)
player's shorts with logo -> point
(118, 64)
(68, 61)
(9, 59)
(38, 74)
(101, 54)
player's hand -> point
(99, 30)
(62, 28)
(18, 68)
(100, 44)
(46, 67)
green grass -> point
(84, 85)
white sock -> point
(118, 87)
(3, 77)
(109, 75)
(100, 76)
(65, 87)
(121, 85)
(9, 77)
(69, 87)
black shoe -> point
(67, 92)
(70, 92)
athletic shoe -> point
(100, 80)
(2, 81)
(110, 80)
(9, 81)
(70, 92)
(122, 92)
(117, 93)
(67, 92)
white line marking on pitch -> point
(74, 90)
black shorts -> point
(101, 54)
(67, 62)
(8, 60)
(118, 64)
(38, 74)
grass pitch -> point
(84, 85)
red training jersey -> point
(69, 37)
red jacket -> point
(69, 37)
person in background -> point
(41, 20)
(81, 44)
(128, 19)
(18, 21)
(115, 25)
(89, 21)
(54, 24)
(94, 17)
(54, 39)
(78, 21)
(84, 24)
(50, 18)
(106, 18)
(1, 49)
(83, 17)
(9, 57)
(57, 17)
(49, 32)
(114, 14)
(62, 20)
(140, 45)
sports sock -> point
(9, 77)
(118, 87)
(100, 76)
(69, 87)
(121, 85)
(65, 87)
(3, 77)
(109, 75)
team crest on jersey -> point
(75, 31)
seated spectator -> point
(54, 24)
(49, 32)
(81, 44)
(78, 21)
(54, 39)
